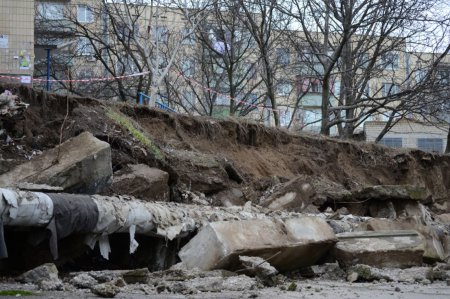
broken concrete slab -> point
(394, 192)
(80, 165)
(287, 244)
(257, 266)
(395, 249)
(294, 195)
(143, 182)
(434, 249)
(198, 171)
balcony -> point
(45, 27)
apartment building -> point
(410, 133)
(298, 75)
(16, 41)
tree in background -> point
(361, 42)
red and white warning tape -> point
(237, 101)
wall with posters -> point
(16, 40)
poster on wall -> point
(4, 41)
(24, 61)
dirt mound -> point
(224, 153)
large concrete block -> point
(394, 249)
(83, 166)
(143, 182)
(287, 245)
(434, 249)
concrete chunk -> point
(143, 182)
(83, 166)
(287, 244)
(393, 249)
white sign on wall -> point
(25, 79)
(4, 41)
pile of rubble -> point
(373, 233)
(11, 105)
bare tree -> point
(267, 26)
(360, 43)
(123, 37)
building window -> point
(187, 67)
(420, 75)
(284, 88)
(389, 89)
(364, 63)
(161, 34)
(223, 100)
(51, 11)
(315, 86)
(84, 14)
(430, 144)
(285, 116)
(390, 60)
(443, 76)
(85, 47)
(188, 100)
(188, 36)
(392, 142)
(249, 70)
(282, 56)
(311, 119)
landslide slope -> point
(211, 155)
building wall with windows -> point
(410, 134)
(17, 40)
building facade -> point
(17, 41)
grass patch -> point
(144, 140)
(16, 293)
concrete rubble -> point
(393, 249)
(143, 182)
(302, 228)
(11, 105)
(80, 165)
(287, 244)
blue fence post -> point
(141, 100)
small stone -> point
(397, 289)
(105, 290)
(352, 277)
(426, 282)
(83, 281)
(317, 290)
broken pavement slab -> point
(286, 244)
(392, 249)
(80, 165)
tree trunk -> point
(447, 148)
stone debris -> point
(394, 249)
(256, 266)
(81, 165)
(83, 281)
(44, 276)
(108, 289)
(287, 245)
(11, 105)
